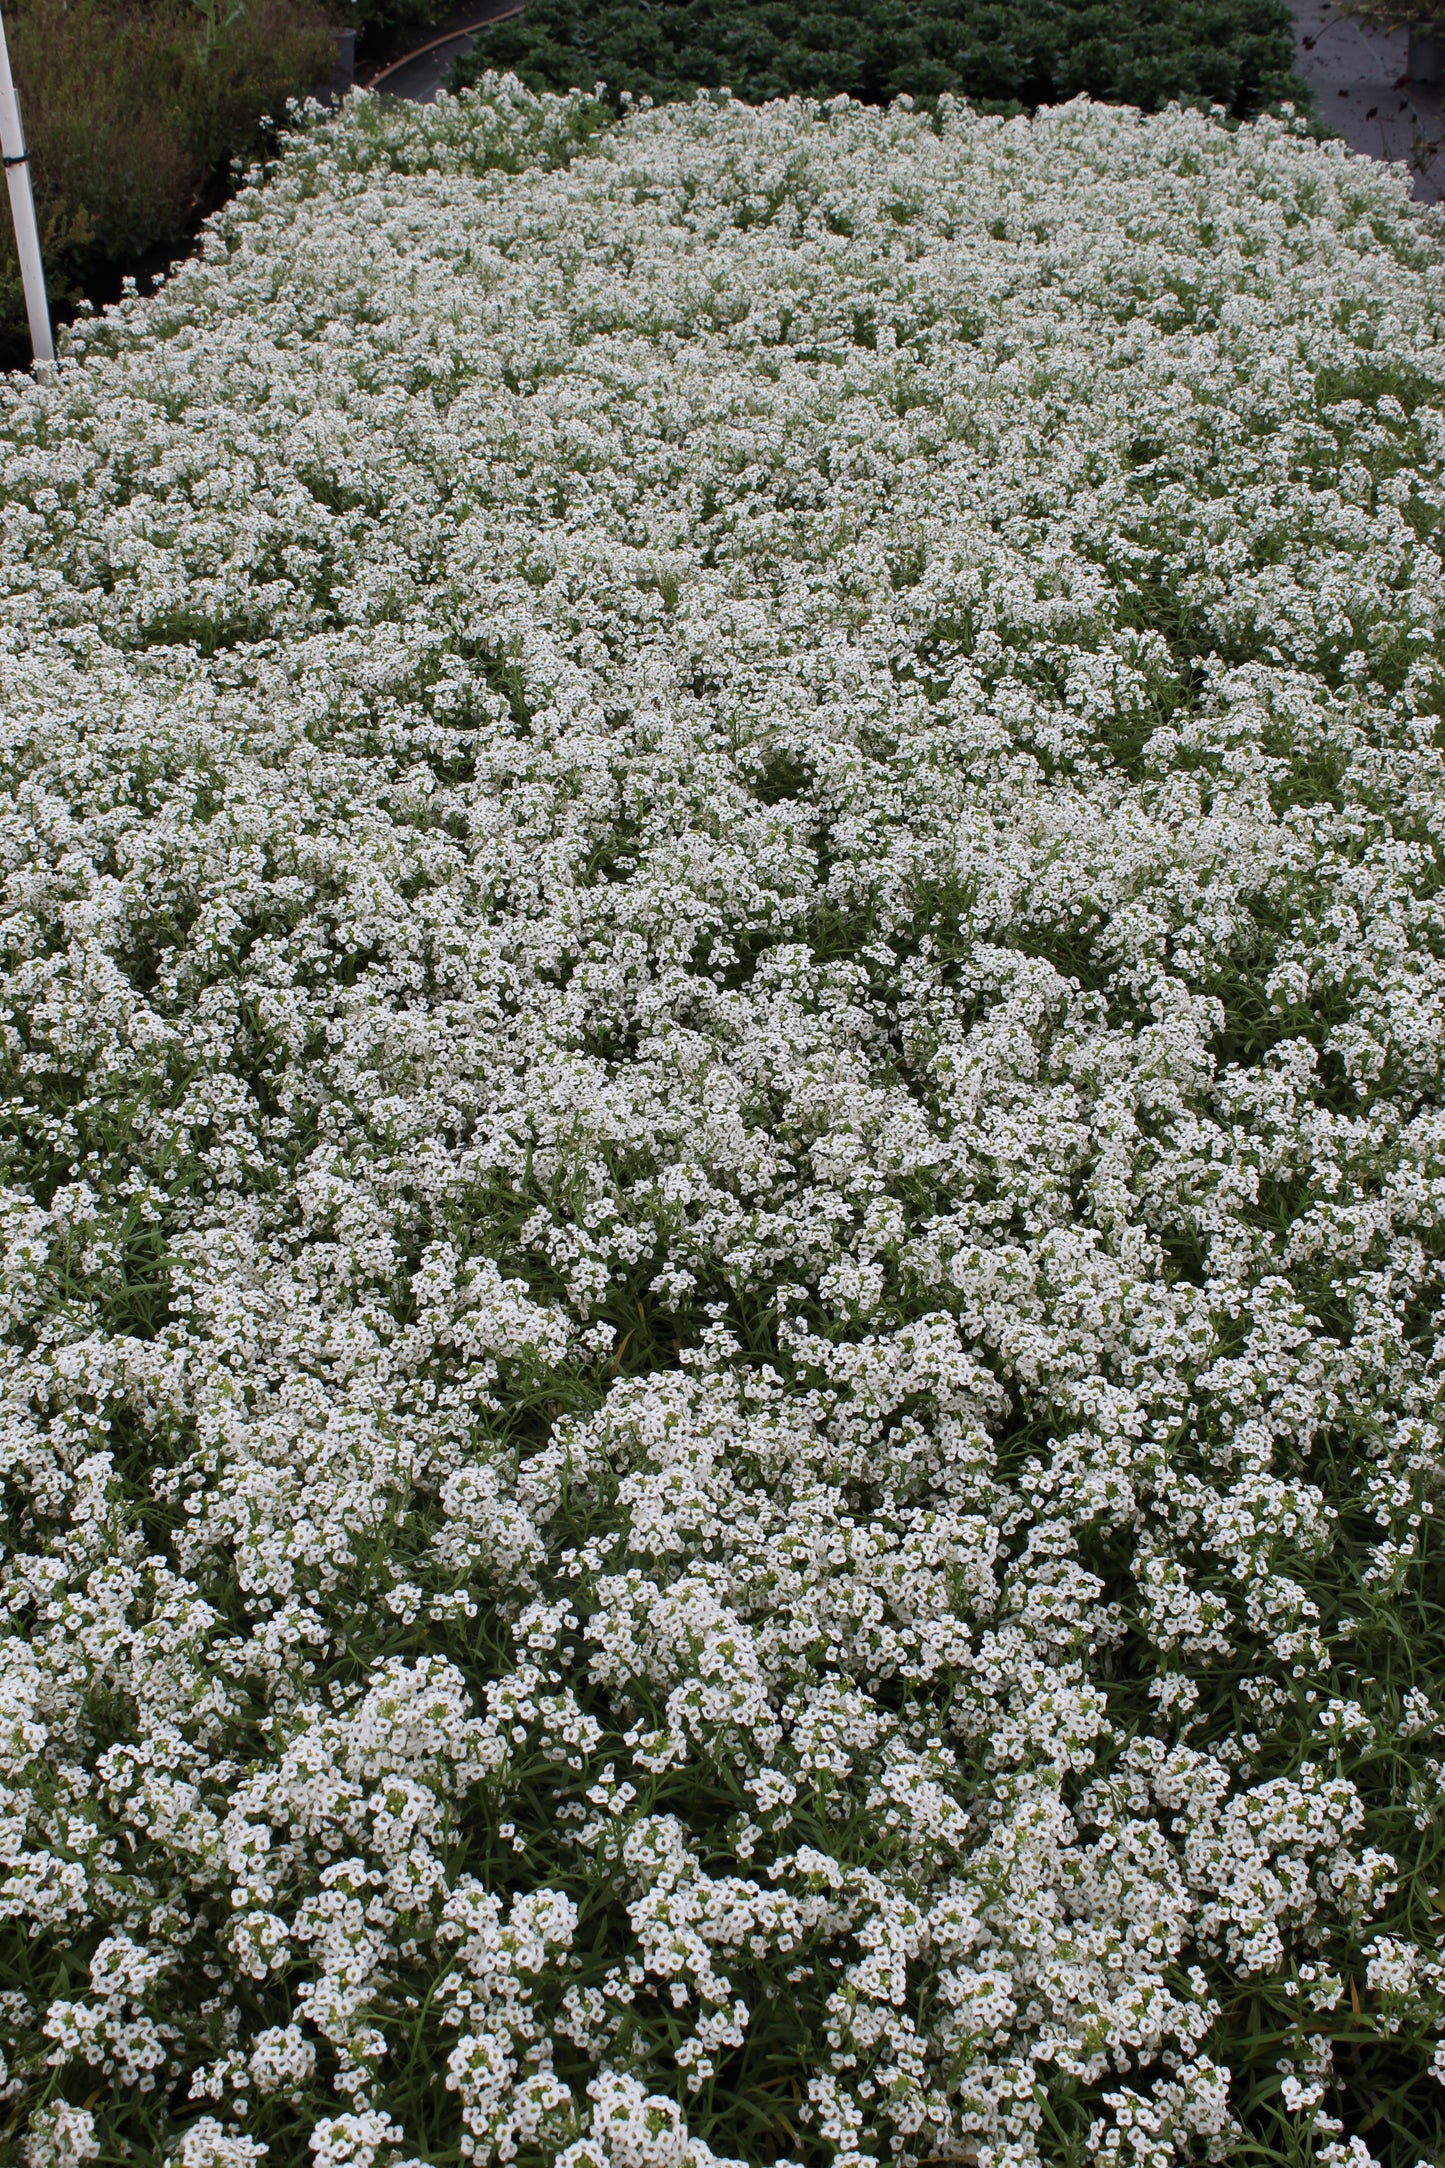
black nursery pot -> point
(343, 76)
(1426, 63)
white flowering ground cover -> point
(724, 1172)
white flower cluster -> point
(723, 1167)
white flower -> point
(61, 2137)
(722, 1032)
(352, 2141)
(208, 2145)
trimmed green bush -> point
(1234, 53)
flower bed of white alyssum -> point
(724, 1182)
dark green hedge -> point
(1236, 53)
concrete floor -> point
(1359, 76)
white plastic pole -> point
(22, 207)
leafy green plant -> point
(216, 21)
(1234, 53)
(376, 20)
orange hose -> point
(466, 30)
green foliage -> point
(128, 111)
(375, 20)
(1234, 53)
(215, 23)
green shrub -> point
(1235, 53)
(375, 19)
(128, 112)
